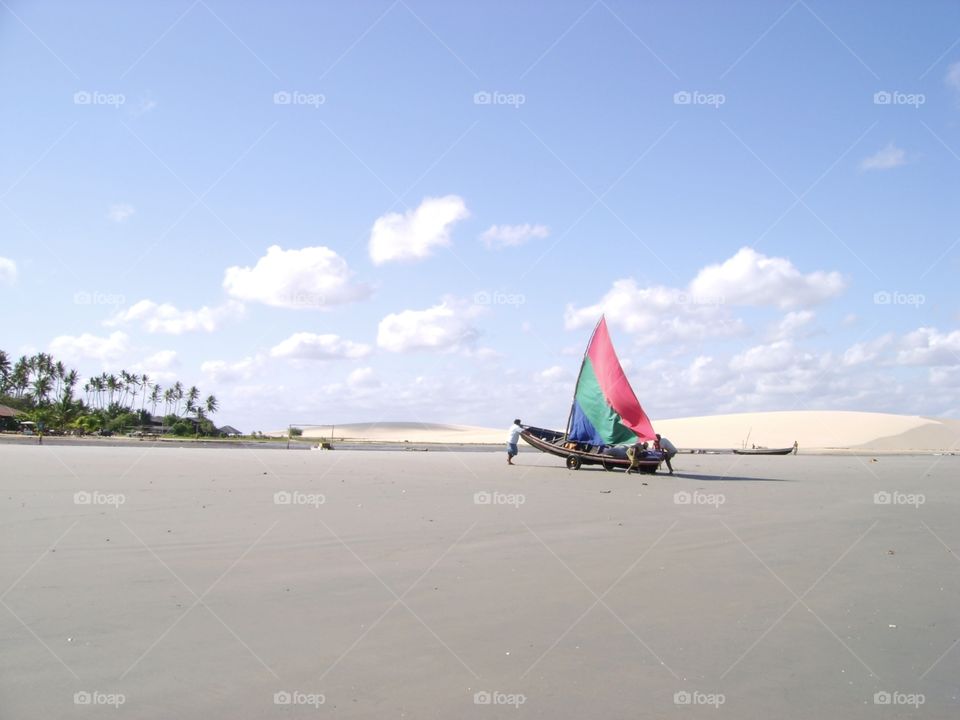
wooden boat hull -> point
(763, 451)
(554, 442)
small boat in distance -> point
(605, 416)
(766, 451)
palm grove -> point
(44, 390)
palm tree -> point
(69, 382)
(112, 386)
(155, 396)
(211, 404)
(177, 396)
(41, 388)
(4, 372)
(144, 384)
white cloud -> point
(670, 312)
(72, 347)
(415, 233)
(750, 278)
(929, 346)
(158, 365)
(8, 271)
(778, 354)
(794, 323)
(885, 158)
(223, 371)
(552, 374)
(363, 377)
(120, 212)
(866, 352)
(310, 346)
(446, 326)
(312, 277)
(165, 318)
(511, 235)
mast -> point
(576, 387)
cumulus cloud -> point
(866, 352)
(71, 347)
(158, 366)
(166, 318)
(750, 278)
(120, 212)
(414, 234)
(223, 371)
(445, 326)
(312, 277)
(310, 346)
(363, 377)
(668, 311)
(552, 374)
(885, 158)
(511, 235)
(929, 346)
(8, 271)
(794, 323)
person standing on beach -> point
(668, 449)
(512, 440)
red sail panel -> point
(614, 384)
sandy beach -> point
(179, 583)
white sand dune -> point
(415, 432)
(821, 431)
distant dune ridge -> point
(814, 430)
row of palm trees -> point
(40, 382)
(103, 390)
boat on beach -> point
(605, 416)
(764, 451)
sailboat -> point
(605, 415)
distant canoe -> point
(764, 451)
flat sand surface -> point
(739, 588)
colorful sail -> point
(605, 409)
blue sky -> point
(760, 195)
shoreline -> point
(352, 444)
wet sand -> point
(403, 584)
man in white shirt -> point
(512, 440)
(669, 450)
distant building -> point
(8, 418)
(229, 431)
